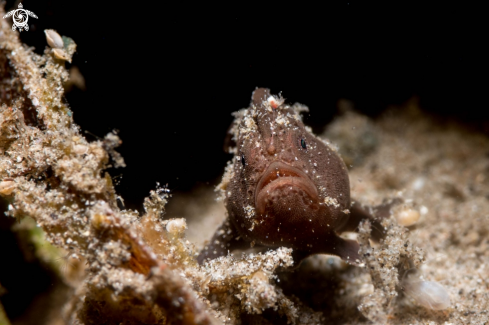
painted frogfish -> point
(285, 187)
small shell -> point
(80, 149)
(407, 217)
(61, 54)
(176, 226)
(53, 39)
(7, 187)
(429, 294)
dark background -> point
(168, 76)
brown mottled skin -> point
(287, 188)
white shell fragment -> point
(7, 187)
(407, 217)
(80, 149)
(61, 54)
(53, 39)
(176, 226)
(429, 294)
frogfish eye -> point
(303, 144)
